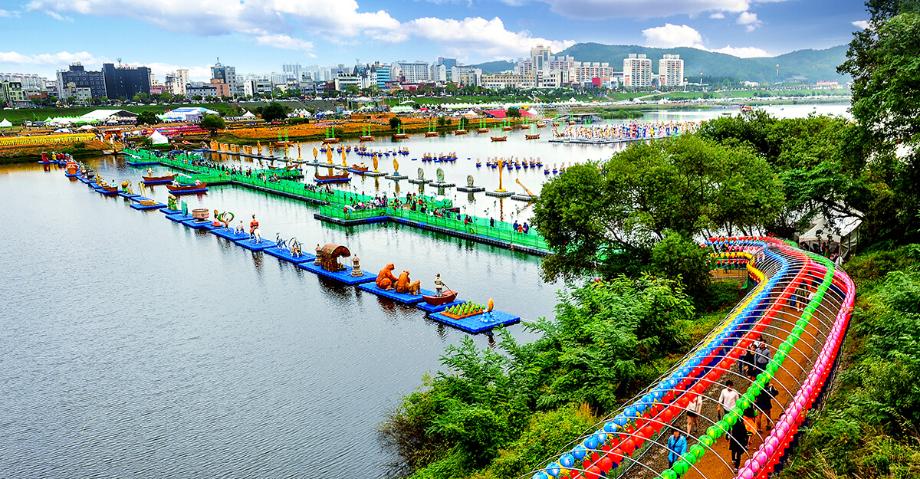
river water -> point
(133, 346)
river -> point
(133, 346)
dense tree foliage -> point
(516, 405)
(622, 207)
(212, 123)
(274, 111)
(147, 118)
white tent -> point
(5, 123)
(157, 138)
(248, 115)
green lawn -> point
(20, 115)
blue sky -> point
(257, 36)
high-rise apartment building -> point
(414, 72)
(671, 71)
(81, 78)
(637, 71)
(227, 75)
(124, 82)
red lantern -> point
(593, 472)
(628, 445)
(605, 464)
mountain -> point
(806, 65)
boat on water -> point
(366, 138)
(435, 300)
(330, 140)
(358, 168)
(339, 178)
(499, 138)
(431, 134)
(400, 136)
(482, 130)
(532, 137)
(180, 189)
(507, 128)
(158, 180)
(460, 132)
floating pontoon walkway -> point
(364, 280)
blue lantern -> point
(579, 452)
(567, 460)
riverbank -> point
(31, 154)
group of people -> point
(632, 130)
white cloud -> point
(743, 52)
(56, 59)
(717, 16)
(599, 9)
(670, 36)
(488, 38)
(861, 24)
(284, 42)
(749, 20)
(6, 13)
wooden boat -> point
(532, 137)
(109, 190)
(158, 180)
(446, 297)
(431, 134)
(187, 189)
(358, 168)
(327, 141)
(482, 130)
(541, 124)
(400, 136)
(459, 132)
(339, 178)
(499, 138)
(366, 138)
(507, 128)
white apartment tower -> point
(181, 80)
(637, 71)
(671, 71)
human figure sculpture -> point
(319, 252)
(171, 202)
(407, 286)
(469, 181)
(421, 174)
(440, 174)
(395, 167)
(385, 278)
(356, 267)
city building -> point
(181, 81)
(465, 75)
(125, 82)
(221, 89)
(595, 73)
(413, 72)
(227, 75)
(11, 94)
(258, 86)
(292, 72)
(204, 90)
(383, 73)
(76, 93)
(637, 71)
(32, 84)
(670, 71)
(438, 73)
(81, 78)
(545, 70)
(449, 64)
(342, 82)
(499, 81)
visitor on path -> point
(738, 441)
(694, 409)
(761, 356)
(764, 403)
(677, 447)
(727, 398)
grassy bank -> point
(868, 427)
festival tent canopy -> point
(187, 113)
(248, 115)
(5, 123)
(157, 138)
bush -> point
(395, 123)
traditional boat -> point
(358, 168)
(330, 140)
(187, 189)
(108, 190)
(459, 132)
(532, 137)
(158, 180)
(431, 134)
(507, 128)
(435, 300)
(499, 138)
(340, 178)
(365, 138)
(482, 130)
(400, 136)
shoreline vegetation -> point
(621, 234)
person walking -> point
(764, 403)
(738, 441)
(761, 356)
(694, 409)
(677, 447)
(727, 398)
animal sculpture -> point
(385, 278)
(406, 285)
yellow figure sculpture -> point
(329, 155)
(395, 166)
(407, 286)
(375, 163)
(343, 158)
(501, 164)
(315, 153)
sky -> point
(258, 36)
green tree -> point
(395, 123)
(681, 259)
(883, 62)
(513, 112)
(274, 111)
(147, 118)
(212, 123)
